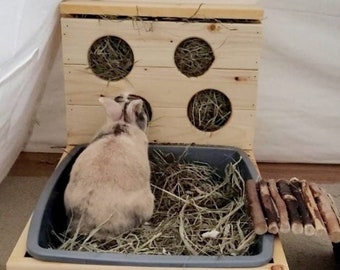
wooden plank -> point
(162, 9)
(18, 260)
(20, 247)
(66, 150)
(250, 154)
(173, 126)
(169, 125)
(235, 46)
(32, 264)
(279, 255)
(214, 2)
(162, 87)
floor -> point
(20, 191)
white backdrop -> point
(298, 116)
(29, 31)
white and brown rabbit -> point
(109, 185)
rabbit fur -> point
(110, 180)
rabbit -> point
(109, 186)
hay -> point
(193, 57)
(209, 110)
(110, 58)
(191, 19)
(196, 213)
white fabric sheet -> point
(26, 49)
(298, 116)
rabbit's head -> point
(127, 110)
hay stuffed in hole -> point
(209, 110)
(197, 212)
(110, 58)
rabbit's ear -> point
(113, 109)
(135, 113)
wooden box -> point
(153, 31)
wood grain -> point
(319, 173)
(163, 9)
(235, 46)
(162, 87)
(169, 125)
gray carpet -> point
(18, 196)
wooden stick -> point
(326, 211)
(260, 225)
(333, 205)
(313, 209)
(308, 224)
(281, 206)
(269, 208)
(292, 206)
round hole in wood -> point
(146, 104)
(209, 110)
(110, 58)
(193, 57)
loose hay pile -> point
(196, 213)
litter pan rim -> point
(35, 250)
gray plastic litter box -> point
(50, 214)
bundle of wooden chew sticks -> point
(292, 205)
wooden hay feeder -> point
(191, 62)
(168, 54)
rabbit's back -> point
(110, 185)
